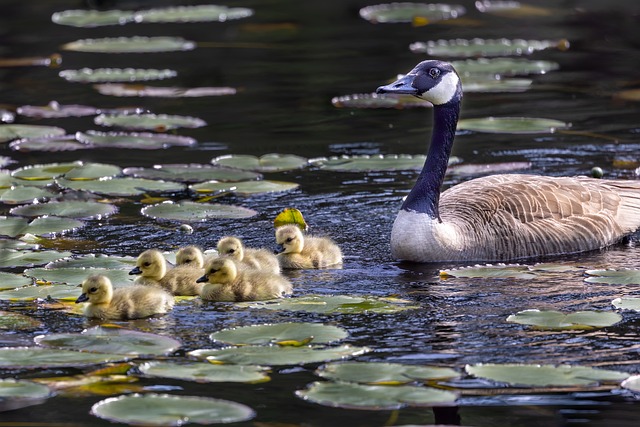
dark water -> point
(288, 61)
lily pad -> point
(490, 84)
(46, 225)
(68, 209)
(515, 271)
(193, 211)
(9, 132)
(15, 394)
(627, 303)
(380, 373)
(632, 383)
(24, 194)
(156, 122)
(405, 12)
(134, 44)
(83, 18)
(489, 168)
(102, 75)
(12, 281)
(90, 171)
(42, 358)
(23, 258)
(167, 410)
(503, 66)
(53, 144)
(244, 188)
(614, 277)
(511, 9)
(95, 261)
(75, 276)
(55, 110)
(389, 162)
(512, 125)
(205, 372)
(277, 355)
(265, 163)
(551, 319)
(44, 172)
(374, 397)
(133, 140)
(544, 375)
(17, 322)
(485, 47)
(379, 100)
(122, 186)
(281, 334)
(191, 173)
(42, 292)
(335, 304)
(112, 340)
(121, 89)
(201, 13)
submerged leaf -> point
(134, 44)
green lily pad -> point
(122, 186)
(201, 13)
(374, 397)
(483, 48)
(389, 162)
(406, 12)
(614, 277)
(191, 173)
(121, 89)
(515, 271)
(544, 375)
(627, 303)
(205, 372)
(489, 168)
(11, 132)
(44, 172)
(511, 9)
(46, 225)
(17, 322)
(53, 144)
(15, 394)
(102, 75)
(280, 333)
(489, 84)
(193, 211)
(277, 355)
(112, 340)
(134, 44)
(336, 304)
(379, 100)
(380, 373)
(12, 281)
(503, 66)
(76, 275)
(23, 258)
(24, 194)
(113, 262)
(89, 171)
(267, 163)
(244, 188)
(551, 319)
(167, 410)
(83, 18)
(632, 383)
(513, 125)
(43, 358)
(156, 122)
(32, 293)
(133, 140)
(55, 110)
(68, 209)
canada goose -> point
(226, 280)
(132, 302)
(190, 255)
(152, 268)
(305, 251)
(499, 217)
(260, 259)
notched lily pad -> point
(155, 122)
(379, 100)
(336, 304)
(389, 162)
(69, 209)
(44, 172)
(42, 358)
(193, 211)
(9, 132)
(134, 44)
(281, 333)
(406, 12)
(381, 373)
(243, 188)
(12, 281)
(121, 89)
(55, 110)
(614, 277)
(204, 372)
(122, 186)
(267, 163)
(515, 271)
(485, 47)
(133, 140)
(513, 125)
(104, 75)
(191, 173)
(551, 319)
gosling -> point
(181, 280)
(190, 255)
(259, 259)
(132, 302)
(225, 280)
(299, 251)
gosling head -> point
(150, 264)
(434, 81)
(219, 270)
(290, 239)
(190, 255)
(232, 247)
(96, 289)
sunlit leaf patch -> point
(89, 385)
(168, 410)
(121, 89)
(290, 216)
(515, 271)
(552, 319)
(485, 47)
(511, 9)
(104, 75)
(243, 188)
(26, 258)
(358, 163)
(92, 18)
(490, 84)
(627, 303)
(513, 125)
(112, 340)
(55, 110)
(193, 211)
(9, 132)
(122, 186)
(279, 333)
(374, 397)
(191, 173)
(267, 163)
(42, 292)
(378, 100)
(503, 66)
(25, 194)
(136, 44)
(45, 171)
(381, 373)
(69, 209)
(91, 171)
(488, 168)
(133, 140)
(95, 261)
(156, 122)
(614, 277)
(200, 13)
(15, 394)
(406, 12)
(12, 281)
(336, 304)
(50, 143)
(17, 322)
(76, 275)
(46, 225)
(42, 358)
(632, 383)
(544, 375)
(205, 372)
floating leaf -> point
(627, 303)
(201, 13)
(133, 140)
(192, 173)
(614, 277)
(134, 44)
(205, 372)
(490, 84)
(157, 122)
(409, 12)
(265, 163)
(290, 216)
(24, 194)
(115, 89)
(42, 358)
(22, 258)
(379, 100)
(11, 132)
(95, 261)
(379, 373)
(192, 211)
(76, 275)
(244, 188)
(277, 355)
(374, 397)
(15, 394)
(503, 66)
(70, 209)
(334, 304)
(544, 375)
(87, 385)
(101, 75)
(92, 18)
(12, 281)
(44, 172)
(112, 340)
(389, 162)
(551, 319)
(490, 168)
(55, 143)
(515, 271)
(484, 47)
(632, 383)
(90, 171)
(514, 125)
(13, 227)
(43, 292)
(279, 332)
(55, 110)
(122, 186)
(511, 9)
(17, 322)
(167, 410)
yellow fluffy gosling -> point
(259, 259)
(190, 255)
(152, 268)
(305, 251)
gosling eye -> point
(434, 73)
(146, 264)
(94, 289)
(230, 251)
(290, 239)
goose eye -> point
(290, 239)
(92, 290)
(146, 264)
(434, 73)
(230, 251)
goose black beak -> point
(82, 298)
(136, 270)
(202, 279)
(401, 86)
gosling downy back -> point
(131, 302)
(259, 259)
(226, 280)
(305, 251)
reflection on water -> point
(302, 57)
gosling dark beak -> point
(279, 249)
(404, 85)
(135, 270)
(82, 298)
(202, 279)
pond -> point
(287, 62)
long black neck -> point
(425, 194)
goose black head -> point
(434, 81)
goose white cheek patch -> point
(443, 91)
